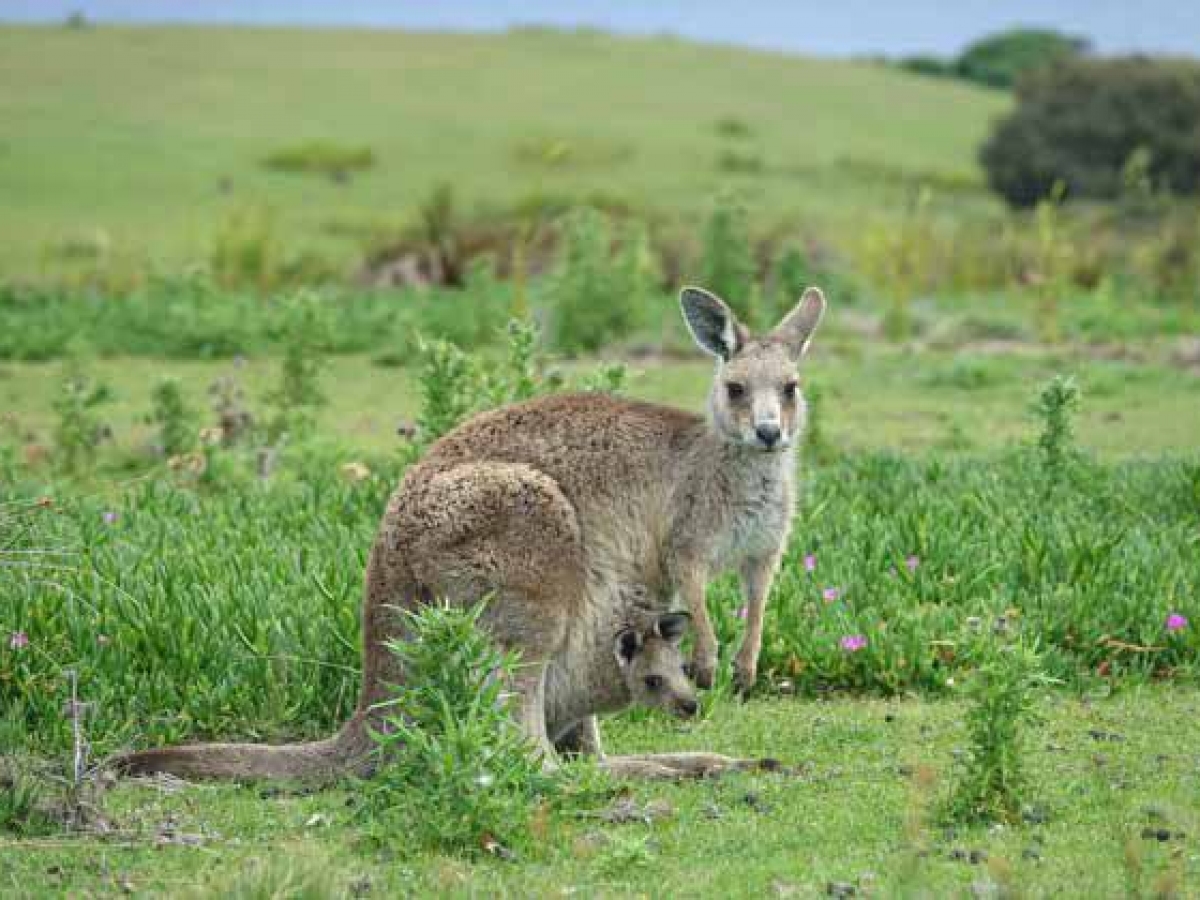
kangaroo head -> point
(653, 666)
(755, 400)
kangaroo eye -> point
(654, 682)
(736, 391)
(789, 391)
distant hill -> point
(143, 139)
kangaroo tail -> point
(348, 752)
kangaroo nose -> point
(689, 707)
(768, 434)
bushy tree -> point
(999, 59)
(1080, 121)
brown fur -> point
(571, 512)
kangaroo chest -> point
(757, 517)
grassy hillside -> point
(141, 140)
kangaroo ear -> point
(672, 626)
(712, 324)
(626, 646)
(797, 327)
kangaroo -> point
(569, 512)
(642, 665)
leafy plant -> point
(727, 264)
(454, 384)
(1056, 405)
(22, 804)
(1080, 120)
(78, 431)
(245, 250)
(992, 785)
(596, 296)
(173, 419)
(297, 395)
(457, 775)
(321, 157)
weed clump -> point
(1055, 407)
(297, 395)
(78, 431)
(727, 259)
(457, 775)
(597, 296)
(321, 158)
(454, 384)
(991, 786)
(172, 418)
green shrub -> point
(322, 158)
(733, 127)
(297, 395)
(740, 162)
(595, 295)
(1056, 405)
(245, 250)
(457, 774)
(454, 384)
(727, 265)
(1080, 121)
(991, 785)
(174, 421)
(78, 431)
(998, 60)
(566, 153)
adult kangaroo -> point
(571, 513)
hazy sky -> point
(843, 27)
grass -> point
(874, 397)
(229, 610)
(1106, 777)
(188, 118)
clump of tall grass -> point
(594, 295)
(78, 430)
(991, 784)
(322, 158)
(726, 264)
(456, 774)
(453, 384)
(174, 420)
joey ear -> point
(796, 329)
(712, 324)
(672, 626)
(626, 646)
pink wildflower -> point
(810, 562)
(912, 562)
(852, 643)
(831, 593)
(109, 517)
(1176, 622)
(742, 613)
(18, 640)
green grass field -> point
(1109, 777)
(872, 398)
(206, 601)
(136, 143)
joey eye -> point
(654, 682)
(789, 390)
(734, 390)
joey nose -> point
(689, 707)
(768, 434)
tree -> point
(1080, 121)
(999, 59)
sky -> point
(844, 28)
